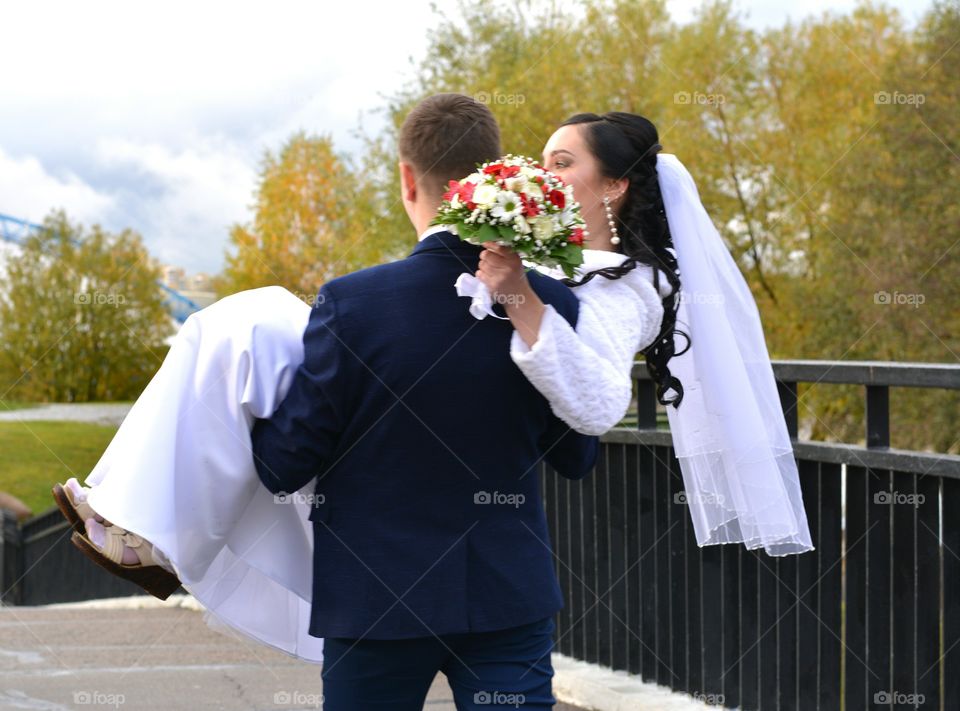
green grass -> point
(36, 455)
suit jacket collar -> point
(447, 242)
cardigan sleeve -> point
(585, 372)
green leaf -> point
(467, 230)
(487, 233)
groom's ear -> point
(408, 182)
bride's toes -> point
(77, 489)
(78, 496)
(95, 532)
(98, 536)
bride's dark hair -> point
(626, 145)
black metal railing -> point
(869, 619)
(39, 564)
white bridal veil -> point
(729, 433)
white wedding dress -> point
(179, 471)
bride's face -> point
(568, 155)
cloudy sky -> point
(155, 116)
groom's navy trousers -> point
(425, 443)
(486, 670)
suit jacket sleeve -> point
(570, 453)
(292, 446)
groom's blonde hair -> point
(445, 136)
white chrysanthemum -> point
(485, 195)
(508, 206)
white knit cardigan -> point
(585, 373)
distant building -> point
(196, 287)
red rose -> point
(501, 171)
(557, 198)
(577, 236)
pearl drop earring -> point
(614, 238)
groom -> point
(431, 550)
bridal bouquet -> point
(518, 203)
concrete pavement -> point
(165, 658)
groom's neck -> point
(421, 221)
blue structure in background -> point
(15, 230)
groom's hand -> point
(502, 271)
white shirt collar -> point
(433, 230)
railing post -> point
(788, 401)
(878, 416)
(11, 558)
(646, 404)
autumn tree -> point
(314, 220)
(791, 149)
(81, 315)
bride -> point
(176, 498)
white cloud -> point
(163, 112)
(200, 192)
(28, 191)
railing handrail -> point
(878, 459)
(856, 372)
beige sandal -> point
(148, 574)
(76, 512)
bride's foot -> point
(79, 494)
(71, 499)
(97, 533)
(128, 556)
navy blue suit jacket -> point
(424, 439)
